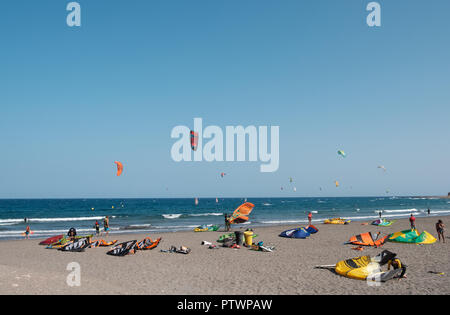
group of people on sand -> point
(439, 227)
(105, 226)
(72, 232)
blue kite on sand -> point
(299, 232)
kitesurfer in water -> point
(106, 225)
(440, 230)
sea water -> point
(48, 217)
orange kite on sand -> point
(119, 167)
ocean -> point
(48, 217)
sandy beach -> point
(27, 268)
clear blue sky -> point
(74, 100)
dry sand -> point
(27, 268)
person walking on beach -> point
(27, 232)
(309, 218)
(412, 221)
(440, 230)
(97, 228)
(106, 225)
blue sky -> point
(74, 100)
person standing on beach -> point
(227, 222)
(440, 230)
(27, 232)
(412, 221)
(97, 228)
(428, 211)
(309, 218)
(106, 225)
(379, 213)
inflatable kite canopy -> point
(412, 237)
(299, 232)
(312, 229)
(379, 222)
(51, 240)
(366, 267)
(296, 233)
(368, 239)
(240, 215)
(194, 140)
(119, 167)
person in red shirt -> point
(412, 220)
(310, 217)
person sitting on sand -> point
(27, 232)
(397, 264)
(72, 234)
(412, 220)
(440, 230)
(106, 225)
(309, 218)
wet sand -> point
(27, 268)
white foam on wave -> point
(36, 220)
(172, 216)
(395, 211)
(204, 214)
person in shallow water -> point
(27, 232)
